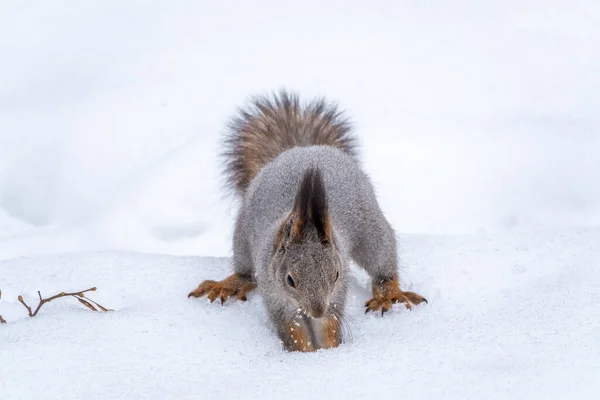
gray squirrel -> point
(307, 210)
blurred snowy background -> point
(473, 116)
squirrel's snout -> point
(317, 311)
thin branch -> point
(97, 305)
(25, 304)
(78, 295)
(87, 304)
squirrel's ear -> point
(320, 210)
(311, 209)
(283, 233)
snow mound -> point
(509, 316)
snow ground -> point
(509, 316)
(479, 127)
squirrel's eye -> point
(290, 281)
(337, 275)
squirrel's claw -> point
(202, 289)
(234, 285)
(387, 293)
(385, 304)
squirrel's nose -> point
(317, 311)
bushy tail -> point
(271, 125)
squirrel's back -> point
(350, 197)
(271, 125)
(270, 148)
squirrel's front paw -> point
(388, 292)
(234, 285)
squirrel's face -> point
(308, 273)
(306, 262)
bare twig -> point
(87, 304)
(78, 295)
(20, 298)
(97, 305)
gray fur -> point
(271, 149)
(360, 230)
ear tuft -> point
(311, 208)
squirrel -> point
(307, 210)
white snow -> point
(509, 316)
(478, 124)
